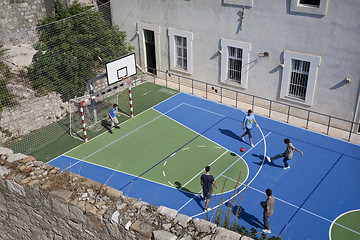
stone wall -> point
(39, 202)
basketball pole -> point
(130, 99)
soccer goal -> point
(92, 113)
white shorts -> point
(115, 120)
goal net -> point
(90, 115)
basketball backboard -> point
(121, 68)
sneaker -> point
(286, 167)
(242, 138)
(252, 145)
(116, 127)
(266, 231)
(111, 132)
(268, 158)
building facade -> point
(304, 53)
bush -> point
(6, 98)
(71, 49)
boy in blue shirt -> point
(248, 122)
(113, 119)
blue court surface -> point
(319, 187)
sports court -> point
(160, 154)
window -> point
(314, 7)
(180, 47)
(181, 52)
(313, 3)
(299, 77)
(234, 62)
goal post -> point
(82, 114)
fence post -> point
(328, 128)
(206, 87)
(270, 109)
(288, 114)
(351, 129)
(253, 101)
(179, 82)
(236, 98)
(307, 120)
(192, 86)
(221, 94)
(166, 76)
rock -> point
(38, 164)
(171, 213)
(166, 226)
(111, 192)
(225, 234)
(144, 229)
(33, 182)
(28, 159)
(16, 157)
(16, 188)
(140, 204)
(182, 220)
(3, 171)
(6, 151)
(204, 226)
(25, 180)
(63, 194)
(187, 237)
(45, 186)
(90, 209)
(58, 114)
(38, 172)
(115, 217)
(163, 235)
(128, 225)
(91, 183)
(22, 168)
(120, 206)
(28, 169)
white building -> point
(304, 53)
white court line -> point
(146, 93)
(204, 110)
(203, 170)
(307, 211)
(201, 146)
(165, 163)
(164, 173)
(334, 222)
(263, 139)
(185, 148)
(64, 154)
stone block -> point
(33, 182)
(115, 218)
(90, 209)
(4, 170)
(163, 235)
(55, 170)
(25, 180)
(81, 204)
(204, 226)
(38, 172)
(182, 219)
(62, 194)
(90, 183)
(100, 204)
(28, 159)
(6, 151)
(22, 168)
(16, 188)
(112, 192)
(171, 213)
(225, 234)
(144, 229)
(28, 169)
(140, 204)
(16, 157)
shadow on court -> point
(261, 157)
(230, 134)
(189, 194)
(245, 216)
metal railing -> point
(319, 122)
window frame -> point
(315, 61)
(224, 69)
(296, 6)
(172, 33)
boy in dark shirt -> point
(207, 181)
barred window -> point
(181, 52)
(235, 63)
(299, 78)
(315, 3)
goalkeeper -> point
(113, 119)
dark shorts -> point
(207, 195)
(248, 132)
(266, 221)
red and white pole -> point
(131, 104)
(83, 120)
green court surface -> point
(54, 139)
(349, 220)
(159, 149)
